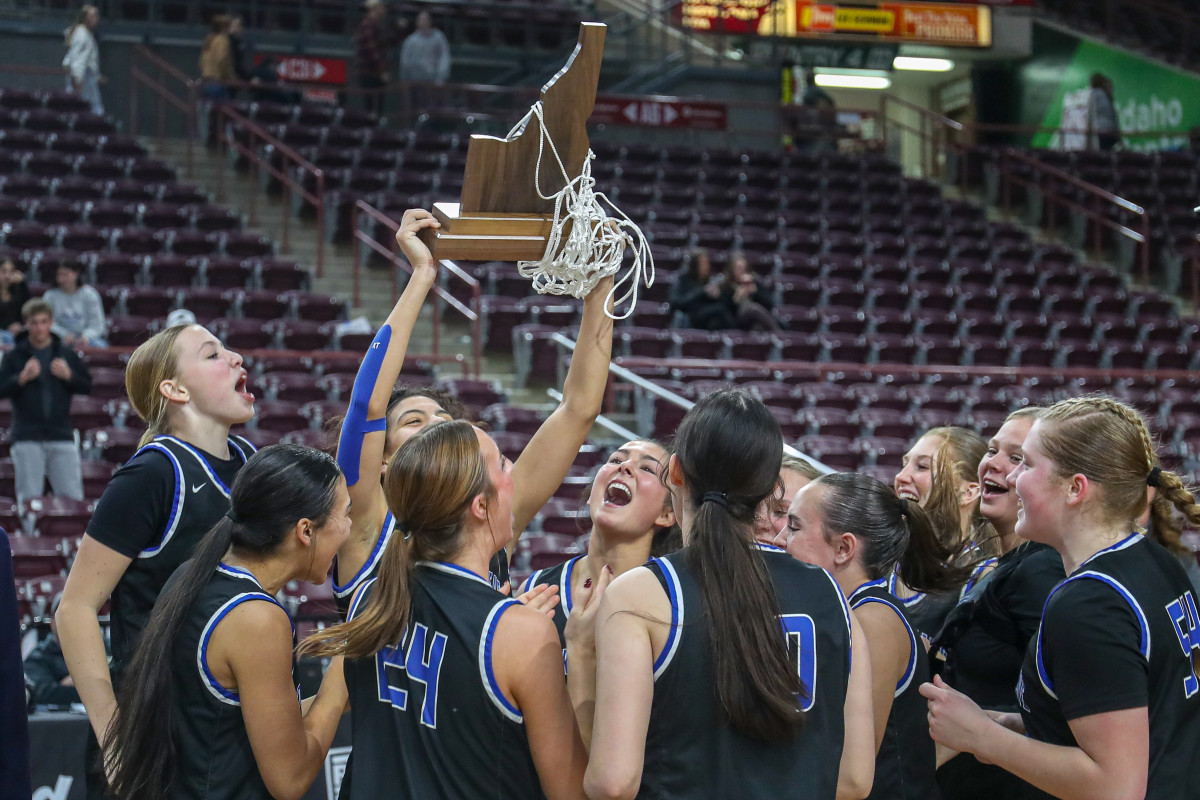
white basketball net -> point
(585, 244)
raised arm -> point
(548, 456)
(364, 430)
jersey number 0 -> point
(420, 658)
(801, 635)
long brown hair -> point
(1109, 443)
(154, 361)
(429, 487)
(729, 448)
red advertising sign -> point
(309, 69)
(650, 112)
(959, 24)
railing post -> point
(1145, 248)
(356, 255)
(320, 223)
(162, 116)
(1097, 215)
(193, 127)
(477, 330)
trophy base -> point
(486, 236)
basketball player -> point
(860, 531)
(632, 520)
(986, 635)
(694, 694)
(378, 421)
(208, 708)
(938, 474)
(1109, 693)
(771, 522)
(189, 389)
(456, 690)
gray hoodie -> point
(78, 314)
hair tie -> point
(232, 517)
(904, 506)
(1152, 478)
(715, 497)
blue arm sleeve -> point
(356, 425)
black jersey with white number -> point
(560, 576)
(156, 510)
(1119, 633)
(430, 721)
(905, 763)
(690, 752)
(214, 759)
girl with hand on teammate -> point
(380, 419)
(189, 389)
(456, 690)
(860, 531)
(208, 708)
(724, 669)
(1108, 691)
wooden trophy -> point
(500, 216)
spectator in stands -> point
(82, 61)
(751, 298)
(217, 67)
(40, 374)
(46, 670)
(696, 296)
(1104, 131)
(14, 293)
(425, 58)
(372, 41)
(78, 312)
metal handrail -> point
(258, 161)
(1008, 176)
(472, 312)
(186, 104)
(648, 387)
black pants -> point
(373, 94)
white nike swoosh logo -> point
(196, 488)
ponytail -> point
(1173, 495)
(279, 486)
(728, 449)
(927, 565)
(141, 755)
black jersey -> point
(215, 761)
(156, 510)
(984, 641)
(690, 752)
(430, 721)
(905, 763)
(1121, 632)
(561, 576)
(343, 593)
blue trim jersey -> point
(155, 510)
(342, 594)
(430, 720)
(214, 758)
(906, 761)
(560, 576)
(690, 751)
(1121, 632)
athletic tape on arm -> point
(356, 426)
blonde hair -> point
(802, 466)
(1110, 444)
(80, 19)
(154, 361)
(957, 461)
(430, 485)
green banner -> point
(1148, 96)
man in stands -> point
(41, 374)
(425, 58)
(372, 41)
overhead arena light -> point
(847, 81)
(921, 64)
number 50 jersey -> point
(429, 720)
(690, 753)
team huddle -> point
(1011, 619)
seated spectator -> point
(46, 672)
(697, 296)
(76, 308)
(751, 298)
(41, 374)
(14, 293)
